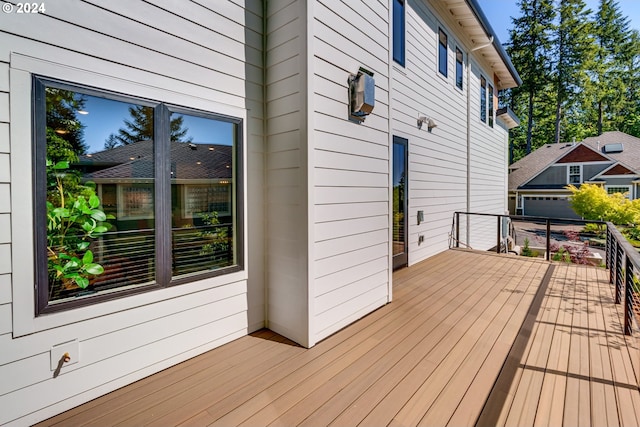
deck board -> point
(577, 369)
(467, 340)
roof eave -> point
(503, 67)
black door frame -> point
(402, 259)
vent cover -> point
(613, 148)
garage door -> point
(554, 207)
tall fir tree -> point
(612, 34)
(140, 127)
(63, 126)
(574, 50)
(530, 47)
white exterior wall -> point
(461, 164)
(437, 159)
(327, 177)
(351, 272)
(318, 186)
(203, 58)
(488, 172)
(286, 170)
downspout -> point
(468, 207)
(265, 222)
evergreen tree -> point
(574, 52)
(612, 34)
(111, 142)
(530, 52)
(628, 120)
(63, 127)
(140, 127)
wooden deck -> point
(431, 357)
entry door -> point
(400, 246)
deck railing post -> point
(607, 248)
(618, 279)
(548, 239)
(457, 229)
(628, 295)
(498, 234)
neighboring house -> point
(295, 210)
(538, 181)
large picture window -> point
(131, 194)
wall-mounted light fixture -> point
(429, 121)
(361, 94)
(420, 217)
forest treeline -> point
(580, 71)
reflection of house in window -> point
(135, 202)
(201, 179)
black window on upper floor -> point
(399, 34)
(483, 99)
(491, 109)
(130, 194)
(459, 68)
(442, 52)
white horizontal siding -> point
(201, 57)
(99, 348)
(63, 392)
(286, 171)
(488, 162)
(351, 168)
(4, 138)
(5, 228)
(5, 288)
(437, 159)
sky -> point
(499, 13)
(101, 117)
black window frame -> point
(490, 104)
(459, 68)
(483, 99)
(162, 194)
(443, 53)
(399, 33)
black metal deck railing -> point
(621, 258)
(623, 262)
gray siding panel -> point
(619, 181)
(589, 171)
(555, 175)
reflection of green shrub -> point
(217, 237)
(74, 219)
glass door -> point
(400, 246)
